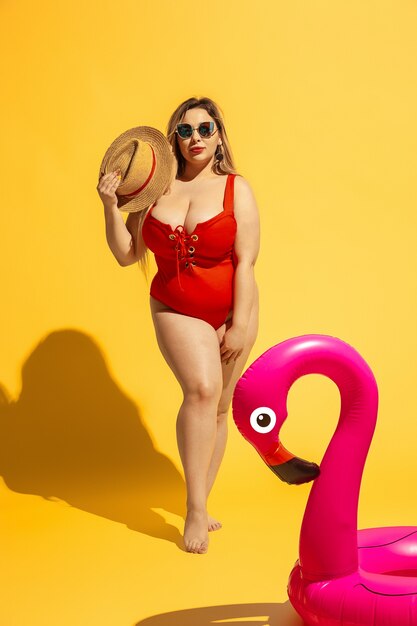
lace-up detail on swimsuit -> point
(195, 270)
(183, 249)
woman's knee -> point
(222, 414)
(208, 391)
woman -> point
(206, 349)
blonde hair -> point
(225, 166)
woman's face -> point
(208, 144)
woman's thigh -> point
(231, 372)
(190, 346)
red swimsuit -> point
(195, 270)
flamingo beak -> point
(289, 468)
(296, 471)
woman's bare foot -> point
(195, 532)
(213, 524)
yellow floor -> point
(92, 509)
(113, 557)
(91, 530)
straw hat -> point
(147, 166)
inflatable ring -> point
(343, 576)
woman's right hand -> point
(106, 188)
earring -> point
(219, 153)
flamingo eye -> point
(263, 419)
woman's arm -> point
(246, 250)
(121, 236)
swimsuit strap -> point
(229, 192)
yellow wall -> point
(320, 103)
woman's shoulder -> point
(242, 185)
(244, 198)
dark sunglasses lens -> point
(206, 128)
(184, 130)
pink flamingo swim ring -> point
(343, 576)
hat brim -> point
(165, 168)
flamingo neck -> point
(328, 539)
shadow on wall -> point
(238, 614)
(74, 435)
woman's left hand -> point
(231, 346)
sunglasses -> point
(205, 129)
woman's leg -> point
(191, 348)
(231, 374)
